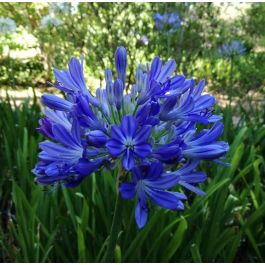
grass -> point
(70, 225)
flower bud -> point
(118, 93)
(97, 138)
(108, 75)
(56, 103)
(121, 63)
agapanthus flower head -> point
(150, 133)
(168, 21)
(7, 25)
(232, 48)
(50, 21)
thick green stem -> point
(115, 226)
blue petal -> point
(204, 102)
(76, 132)
(137, 174)
(165, 182)
(85, 167)
(59, 117)
(58, 152)
(215, 118)
(127, 190)
(128, 126)
(166, 71)
(143, 134)
(83, 105)
(211, 151)
(192, 188)
(165, 199)
(226, 164)
(65, 80)
(208, 136)
(76, 71)
(128, 160)
(167, 154)
(143, 113)
(115, 148)
(63, 136)
(155, 68)
(188, 167)
(155, 170)
(46, 127)
(176, 82)
(116, 134)
(196, 177)
(199, 89)
(142, 150)
(141, 214)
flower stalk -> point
(115, 226)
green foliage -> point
(69, 225)
(21, 73)
(96, 29)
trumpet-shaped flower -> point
(129, 141)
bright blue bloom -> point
(129, 141)
(170, 21)
(147, 132)
(203, 145)
(149, 182)
(232, 48)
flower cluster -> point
(150, 133)
(7, 25)
(170, 21)
(232, 48)
(63, 7)
(50, 21)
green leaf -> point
(176, 240)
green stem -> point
(231, 81)
(115, 226)
(136, 108)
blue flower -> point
(61, 161)
(147, 183)
(170, 21)
(129, 141)
(147, 132)
(232, 48)
(72, 81)
(203, 145)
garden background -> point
(70, 225)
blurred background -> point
(223, 43)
